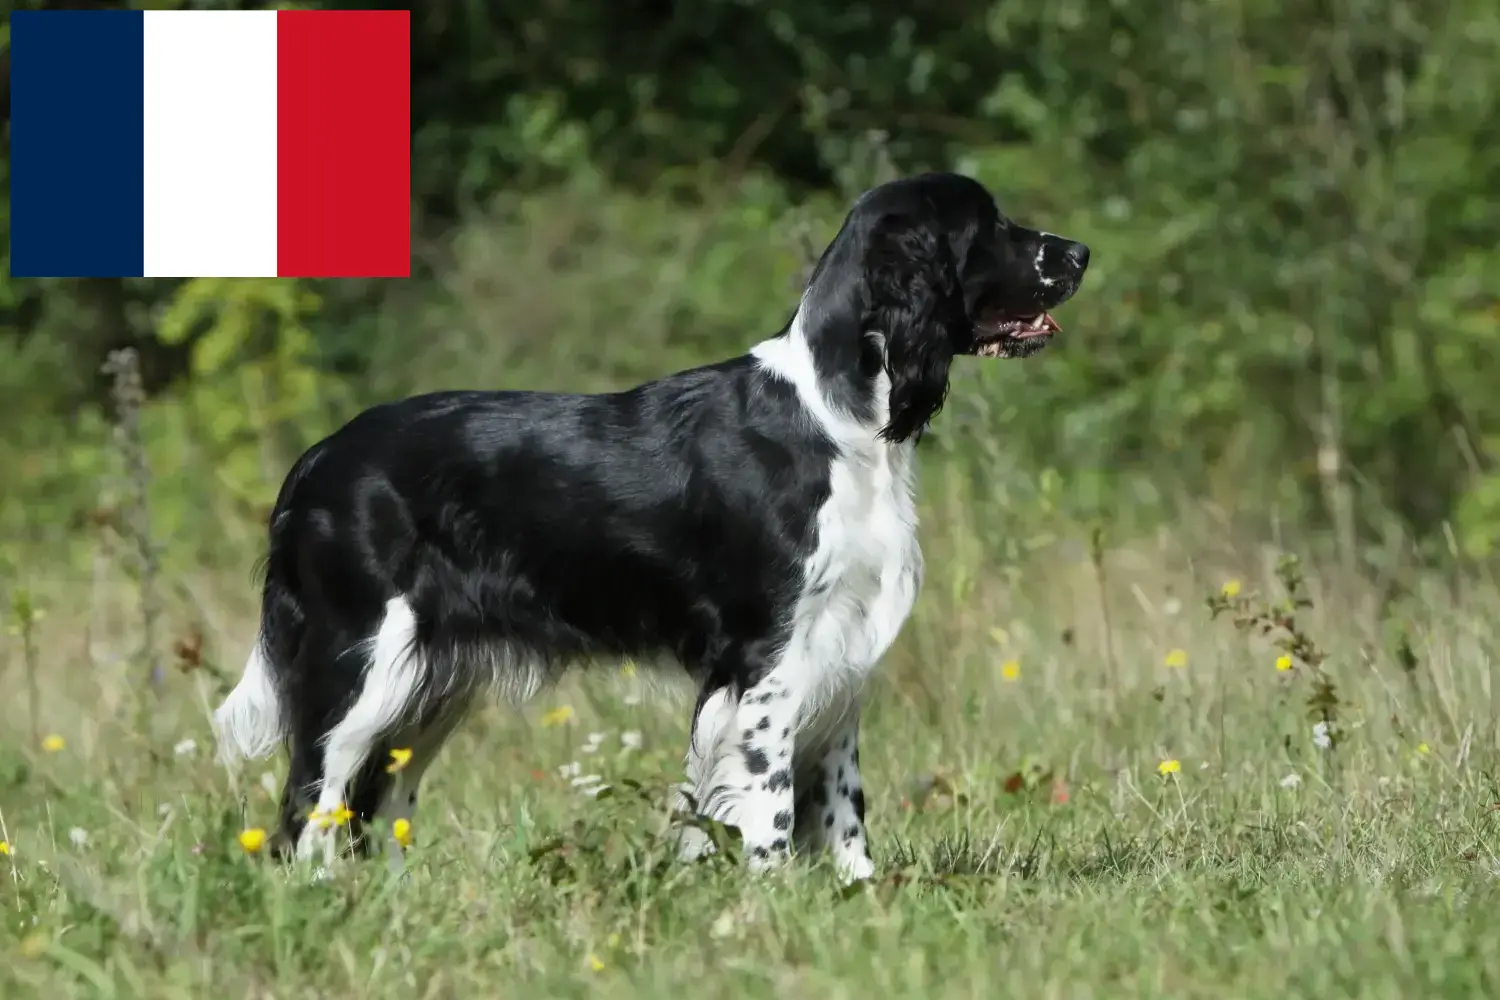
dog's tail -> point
(249, 723)
(252, 722)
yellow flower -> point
(401, 830)
(52, 743)
(595, 963)
(1423, 749)
(337, 816)
(627, 669)
(252, 840)
(1231, 588)
(1177, 658)
(1010, 670)
(1167, 767)
(4, 848)
(1283, 663)
(558, 716)
(33, 945)
(400, 757)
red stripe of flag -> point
(343, 134)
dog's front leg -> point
(831, 809)
(739, 769)
(766, 724)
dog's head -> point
(943, 272)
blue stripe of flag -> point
(77, 134)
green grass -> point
(1374, 876)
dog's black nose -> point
(1079, 255)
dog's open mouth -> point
(1005, 337)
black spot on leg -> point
(820, 795)
(786, 733)
(782, 820)
(779, 844)
(840, 775)
(779, 781)
(851, 833)
(828, 821)
(747, 735)
(857, 798)
(760, 853)
(764, 723)
(756, 760)
(843, 791)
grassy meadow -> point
(1081, 783)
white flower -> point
(631, 739)
(1171, 607)
(632, 698)
(1322, 736)
(589, 784)
(570, 770)
(1291, 781)
(186, 748)
(591, 744)
(79, 836)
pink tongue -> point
(1048, 325)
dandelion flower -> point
(1231, 588)
(252, 840)
(558, 716)
(401, 830)
(1167, 767)
(1010, 670)
(337, 816)
(52, 743)
(400, 757)
(595, 963)
(4, 848)
(1283, 663)
(1423, 749)
(627, 669)
(1177, 659)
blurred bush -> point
(1292, 311)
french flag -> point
(210, 143)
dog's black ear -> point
(914, 298)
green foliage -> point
(1291, 309)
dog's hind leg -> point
(387, 696)
(388, 792)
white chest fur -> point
(862, 577)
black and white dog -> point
(751, 520)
